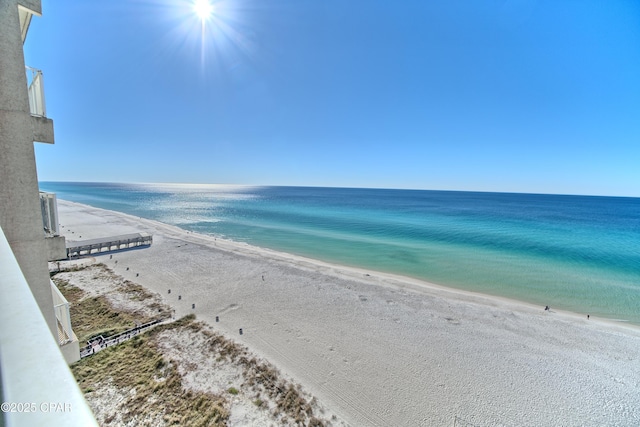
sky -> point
(482, 95)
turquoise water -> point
(576, 253)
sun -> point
(203, 9)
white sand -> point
(385, 350)
(200, 368)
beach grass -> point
(261, 379)
(92, 316)
(154, 388)
(153, 384)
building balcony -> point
(67, 339)
(55, 243)
(35, 84)
(42, 126)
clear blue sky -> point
(488, 95)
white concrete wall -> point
(32, 365)
(56, 248)
(71, 351)
(20, 215)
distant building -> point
(28, 218)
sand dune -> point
(382, 350)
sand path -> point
(383, 350)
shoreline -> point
(356, 273)
(381, 349)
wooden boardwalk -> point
(100, 343)
(107, 244)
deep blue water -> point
(577, 253)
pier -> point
(107, 244)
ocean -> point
(576, 253)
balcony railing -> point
(49, 206)
(61, 307)
(35, 84)
(35, 380)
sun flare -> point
(203, 9)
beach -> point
(380, 349)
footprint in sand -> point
(230, 307)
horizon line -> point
(347, 187)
